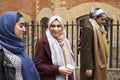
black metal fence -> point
(114, 44)
(35, 31)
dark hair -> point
(18, 16)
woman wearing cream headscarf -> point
(94, 50)
(54, 58)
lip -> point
(22, 34)
(55, 33)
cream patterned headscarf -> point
(97, 12)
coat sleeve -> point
(87, 48)
(43, 60)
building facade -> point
(69, 10)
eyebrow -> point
(53, 25)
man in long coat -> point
(94, 50)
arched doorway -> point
(44, 24)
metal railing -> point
(35, 31)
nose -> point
(56, 28)
(104, 21)
(24, 29)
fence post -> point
(72, 35)
(32, 24)
(27, 29)
(37, 31)
(111, 28)
(78, 41)
(67, 28)
(117, 44)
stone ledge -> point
(113, 73)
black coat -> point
(7, 70)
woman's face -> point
(101, 20)
(56, 28)
(20, 28)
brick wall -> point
(27, 7)
(72, 3)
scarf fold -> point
(100, 50)
(106, 45)
(63, 45)
(66, 54)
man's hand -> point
(89, 72)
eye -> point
(59, 26)
(52, 26)
(56, 26)
(21, 25)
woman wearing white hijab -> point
(54, 58)
(94, 50)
